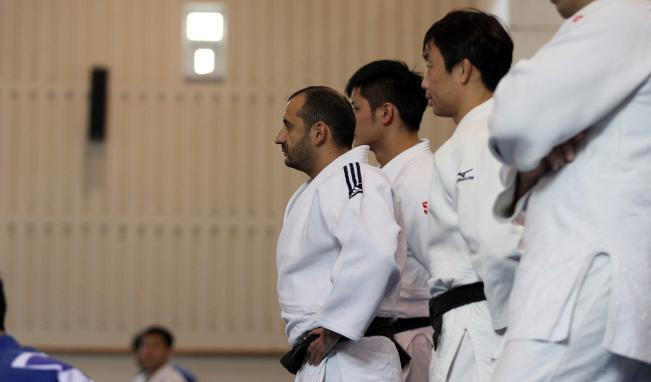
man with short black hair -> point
(472, 256)
(18, 363)
(153, 349)
(389, 103)
(340, 249)
(580, 308)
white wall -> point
(532, 23)
(175, 221)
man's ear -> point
(464, 71)
(387, 112)
(319, 133)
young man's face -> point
(153, 353)
(569, 7)
(368, 130)
(439, 85)
(294, 138)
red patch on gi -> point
(577, 18)
(425, 207)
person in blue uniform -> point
(23, 364)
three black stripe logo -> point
(353, 179)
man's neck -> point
(394, 143)
(149, 373)
(471, 100)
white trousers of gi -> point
(371, 359)
(467, 347)
(418, 344)
(581, 357)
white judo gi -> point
(467, 245)
(594, 76)
(411, 175)
(339, 257)
(167, 373)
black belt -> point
(404, 324)
(385, 327)
(454, 298)
(380, 326)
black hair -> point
(475, 35)
(391, 81)
(3, 306)
(330, 107)
(164, 333)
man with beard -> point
(340, 249)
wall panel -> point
(174, 219)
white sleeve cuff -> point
(506, 208)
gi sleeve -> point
(506, 208)
(366, 269)
(590, 66)
(494, 244)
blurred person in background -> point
(153, 348)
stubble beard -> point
(301, 156)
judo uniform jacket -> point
(338, 259)
(411, 175)
(593, 76)
(468, 244)
(166, 373)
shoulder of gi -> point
(353, 181)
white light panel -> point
(204, 26)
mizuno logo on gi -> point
(462, 176)
(353, 179)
